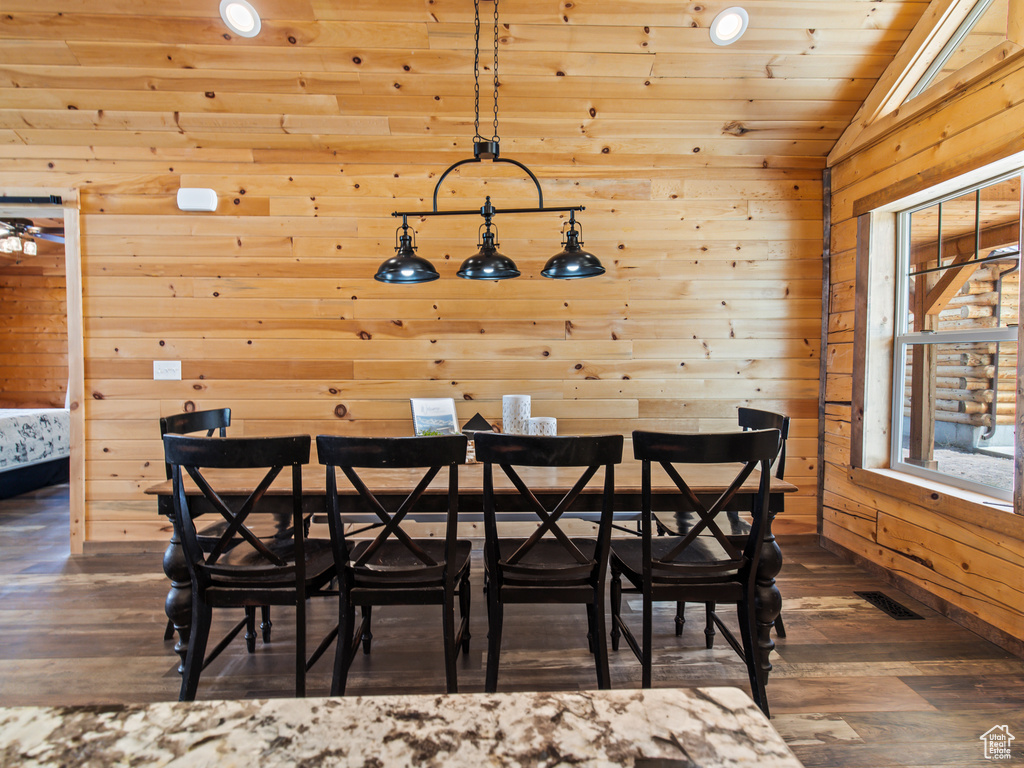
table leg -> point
(178, 604)
(767, 598)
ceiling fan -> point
(22, 228)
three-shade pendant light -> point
(488, 263)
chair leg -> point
(202, 617)
(451, 653)
(645, 660)
(265, 623)
(495, 616)
(616, 607)
(300, 648)
(780, 628)
(464, 603)
(590, 627)
(680, 617)
(748, 634)
(600, 643)
(367, 634)
(709, 626)
(343, 650)
(250, 628)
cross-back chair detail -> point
(701, 562)
(240, 569)
(235, 527)
(548, 566)
(393, 567)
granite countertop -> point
(670, 728)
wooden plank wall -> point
(33, 329)
(700, 170)
(969, 556)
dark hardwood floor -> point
(851, 686)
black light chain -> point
(476, 70)
(495, 137)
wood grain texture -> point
(33, 329)
(700, 168)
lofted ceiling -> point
(603, 82)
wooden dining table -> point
(549, 484)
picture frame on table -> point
(434, 416)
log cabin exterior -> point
(723, 189)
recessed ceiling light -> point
(241, 17)
(729, 26)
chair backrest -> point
(217, 420)
(588, 453)
(714, 557)
(194, 456)
(400, 454)
(752, 418)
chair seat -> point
(547, 562)
(253, 569)
(627, 556)
(394, 566)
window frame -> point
(904, 339)
(927, 78)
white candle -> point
(543, 425)
(515, 414)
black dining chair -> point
(752, 418)
(213, 421)
(210, 422)
(242, 570)
(702, 563)
(392, 567)
(548, 566)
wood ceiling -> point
(608, 83)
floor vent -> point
(885, 603)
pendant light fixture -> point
(572, 262)
(487, 263)
(405, 266)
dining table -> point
(655, 728)
(549, 484)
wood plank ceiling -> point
(395, 79)
(700, 167)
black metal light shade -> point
(488, 263)
(572, 262)
(405, 266)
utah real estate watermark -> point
(997, 741)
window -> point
(955, 336)
(985, 27)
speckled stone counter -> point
(677, 728)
